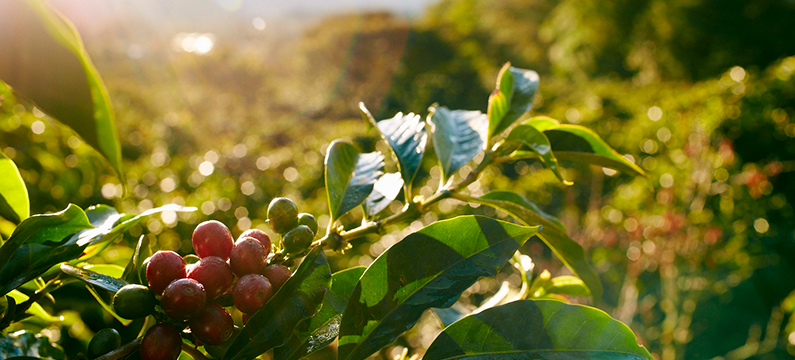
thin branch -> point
(123, 351)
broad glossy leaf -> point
(552, 233)
(298, 299)
(577, 143)
(385, 190)
(536, 140)
(407, 137)
(27, 344)
(320, 330)
(518, 87)
(14, 201)
(458, 136)
(350, 176)
(538, 329)
(429, 268)
(45, 61)
(567, 285)
(106, 282)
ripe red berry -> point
(248, 257)
(161, 342)
(277, 274)
(213, 325)
(251, 293)
(260, 235)
(183, 299)
(214, 274)
(212, 238)
(163, 268)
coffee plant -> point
(291, 303)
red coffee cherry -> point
(161, 342)
(251, 293)
(277, 274)
(248, 257)
(260, 235)
(213, 325)
(163, 268)
(183, 299)
(212, 238)
(214, 274)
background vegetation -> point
(698, 258)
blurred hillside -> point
(697, 259)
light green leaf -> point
(536, 140)
(512, 98)
(35, 309)
(458, 136)
(538, 329)
(567, 285)
(45, 61)
(350, 177)
(14, 201)
(429, 268)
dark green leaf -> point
(298, 299)
(536, 140)
(540, 329)
(106, 282)
(552, 233)
(45, 61)
(567, 285)
(14, 202)
(320, 330)
(29, 344)
(518, 87)
(350, 176)
(407, 137)
(429, 268)
(458, 136)
(385, 190)
(133, 270)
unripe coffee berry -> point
(213, 325)
(277, 274)
(183, 299)
(103, 342)
(282, 215)
(214, 274)
(248, 257)
(163, 268)
(251, 293)
(161, 342)
(212, 238)
(260, 235)
(134, 301)
(298, 239)
(308, 220)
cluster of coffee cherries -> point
(188, 293)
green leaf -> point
(536, 140)
(458, 136)
(106, 305)
(320, 330)
(24, 343)
(14, 201)
(298, 299)
(133, 269)
(517, 87)
(552, 233)
(35, 308)
(350, 177)
(577, 143)
(45, 61)
(537, 329)
(106, 282)
(385, 190)
(407, 137)
(567, 285)
(429, 268)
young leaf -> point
(552, 233)
(540, 329)
(407, 137)
(518, 87)
(536, 140)
(429, 268)
(567, 285)
(385, 190)
(320, 330)
(106, 282)
(42, 52)
(350, 177)
(458, 136)
(298, 299)
(14, 201)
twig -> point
(123, 351)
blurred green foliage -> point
(697, 258)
